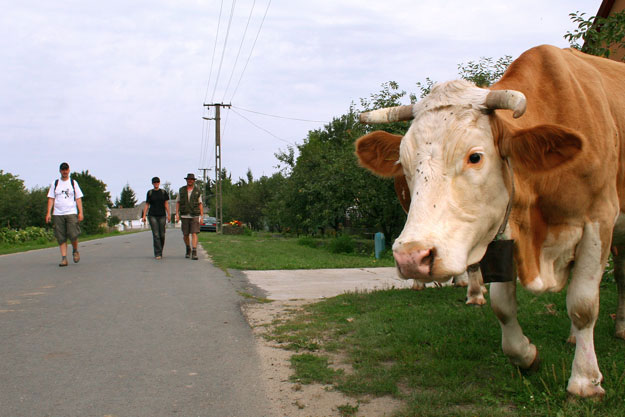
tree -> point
(13, 198)
(36, 206)
(172, 194)
(273, 187)
(327, 188)
(600, 36)
(227, 200)
(127, 199)
(95, 202)
(485, 72)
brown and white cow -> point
(556, 162)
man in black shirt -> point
(157, 209)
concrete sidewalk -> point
(322, 283)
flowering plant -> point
(235, 223)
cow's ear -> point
(542, 148)
(379, 152)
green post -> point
(379, 244)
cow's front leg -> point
(515, 345)
(619, 276)
(582, 303)
(476, 288)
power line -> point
(261, 128)
(252, 50)
(210, 74)
(281, 117)
(223, 51)
(204, 149)
(240, 48)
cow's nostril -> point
(428, 260)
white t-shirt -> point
(64, 202)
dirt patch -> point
(297, 400)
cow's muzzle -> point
(415, 263)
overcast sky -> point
(117, 87)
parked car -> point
(208, 224)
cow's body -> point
(558, 164)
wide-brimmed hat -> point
(190, 177)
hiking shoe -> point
(188, 254)
(76, 256)
(63, 261)
(194, 255)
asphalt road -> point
(122, 334)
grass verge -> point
(427, 348)
(443, 358)
(267, 252)
(6, 249)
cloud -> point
(117, 87)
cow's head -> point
(453, 160)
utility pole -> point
(218, 196)
(204, 201)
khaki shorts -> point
(190, 225)
(66, 227)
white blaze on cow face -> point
(456, 179)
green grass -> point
(26, 246)
(427, 348)
(312, 368)
(444, 358)
(267, 252)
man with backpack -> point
(65, 196)
(157, 209)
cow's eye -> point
(475, 158)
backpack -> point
(56, 182)
(152, 190)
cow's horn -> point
(507, 99)
(387, 115)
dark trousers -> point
(157, 223)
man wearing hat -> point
(65, 196)
(189, 210)
(157, 209)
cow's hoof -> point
(571, 340)
(476, 300)
(620, 332)
(585, 389)
(418, 285)
(534, 366)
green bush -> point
(341, 244)
(29, 234)
(307, 241)
(113, 221)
